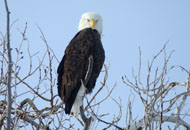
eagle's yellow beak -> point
(91, 23)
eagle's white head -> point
(91, 20)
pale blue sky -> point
(127, 24)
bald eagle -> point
(75, 62)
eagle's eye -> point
(88, 20)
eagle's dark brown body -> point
(74, 65)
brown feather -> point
(74, 65)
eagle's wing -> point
(98, 57)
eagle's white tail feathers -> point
(79, 99)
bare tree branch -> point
(9, 68)
(154, 96)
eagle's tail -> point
(79, 99)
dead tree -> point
(159, 95)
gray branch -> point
(9, 66)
